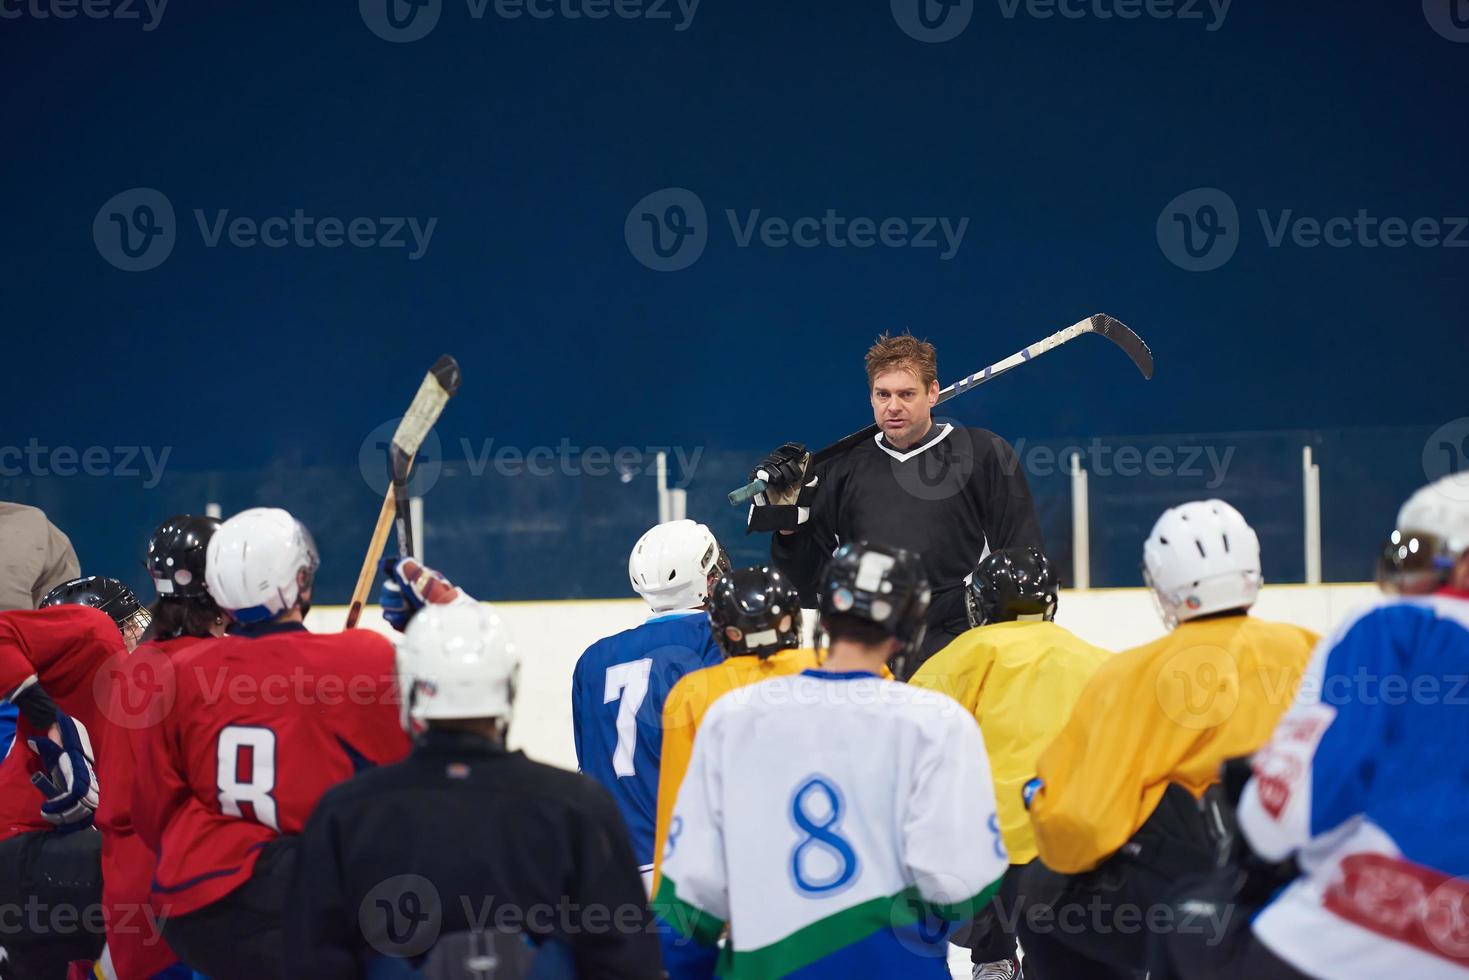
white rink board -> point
(552, 635)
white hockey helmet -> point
(254, 562)
(1431, 535)
(456, 661)
(1201, 558)
(672, 564)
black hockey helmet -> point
(106, 594)
(1009, 584)
(762, 606)
(885, 586)
(176, 556)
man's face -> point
(901, 405)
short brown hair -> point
(902, 351)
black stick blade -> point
(1122, 335)
(446, 372)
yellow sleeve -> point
(1109, 766)
(679, 724)
(957, 670)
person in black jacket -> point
(467, 856)
(952, 494)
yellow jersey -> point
(1019, 680)
(688, 703)
(1170, 711)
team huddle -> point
(204, 787)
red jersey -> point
(66, 648)
(262, 724)
(142, 692)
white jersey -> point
(837, 823)
(1365, 783)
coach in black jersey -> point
(950, 493)
(467, 860)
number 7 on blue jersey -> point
(629, 682)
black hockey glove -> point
(783, 468)
(786, 502)
(34, 703)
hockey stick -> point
(1098, 323)
(438, 385)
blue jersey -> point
(1365, 783)
(617, 695)
(7, 727)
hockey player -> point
(375, 878)
(1119, 790)
(756, 617)
(1019, 674)
(1364, 786)
(52, 662)
(621, 682)
(264, 721)
(947, 493)
(829, 817)
(140, 692)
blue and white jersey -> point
(1366, 782)
(8, 714)
(617, 695)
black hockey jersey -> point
(464, 835)
(957, 495)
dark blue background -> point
(1061, 140)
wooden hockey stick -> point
(1098, 323)
(438, 386)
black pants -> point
(1213, 939)
(1104, 921)
(241, 936)
(991, 936)
(50, 902)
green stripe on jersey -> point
(687, 920)
(851, 925)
